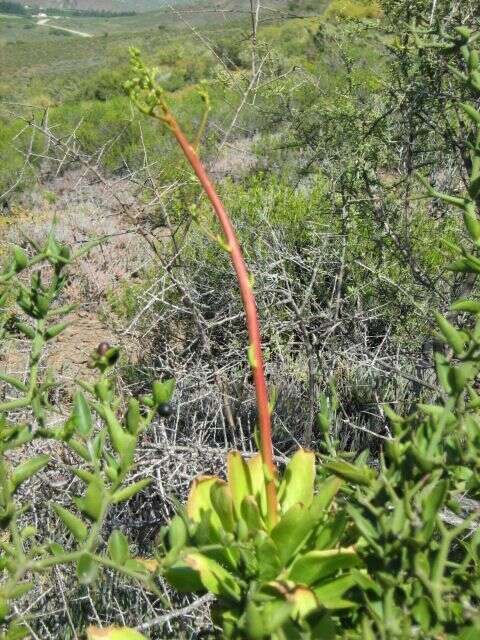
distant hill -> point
(101, 5)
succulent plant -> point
(279, 582)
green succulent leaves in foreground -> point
(270, 582)
(113, 633)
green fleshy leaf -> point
(183, 578)
(113, 633)
(251, 514)
(330, 595)
(222, 502)
(257, 479)
(298, 480)
(316, 565)
(214, 577)
(177, 533)
(269, 564)
(238, 480)
(327, 491)
(199, 501)
(292, 531)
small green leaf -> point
(254, 622)
(128, 492)
(84, 475)
(442, 367)
(432, 502)
(359, 475)
(363, 580)
(87, 569)
(177, 533)
(14, 382)
(332, 531)
(183, 578)
(422, 613)
(82, 415)
(257, 479)
(471, 112)
(276, 614)
(470, 306)
(163, 391)
(460, 376)
(56, 549)
(452, 336)
(327, 491)
(133, 418)
(92, 503)
(268, 559)
(26, 329)
(27, 469)
(364, 526)
(20, 259)
(118, 547)
(251, 514)
(123, 442)
(55, 330)
(74, 524)
(326, 629)
(79, 448)
(470, 218)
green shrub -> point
(101, 441)
(354, 9)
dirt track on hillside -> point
(45, 22)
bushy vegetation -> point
(13, 8)
(346, 150)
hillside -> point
(98, 5)
(122, 5)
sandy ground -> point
(82, 210)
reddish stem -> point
(250, 306)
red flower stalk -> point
(250, 307)
(149, 98)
